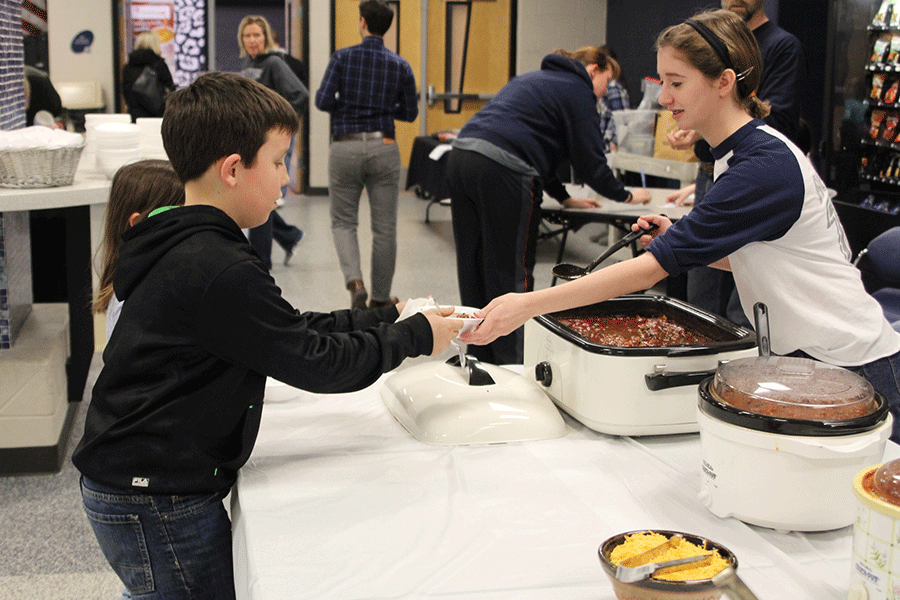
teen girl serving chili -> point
(767, 218)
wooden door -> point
(488, 54)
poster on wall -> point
(181, 26)
(158, 17)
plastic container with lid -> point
(793, 396)
(781, 439)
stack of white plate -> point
(91, 120)
(151, 138)
(117, 144)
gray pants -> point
(375, 166)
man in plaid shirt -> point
(365, 88)
(616, 98)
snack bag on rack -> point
(893, 56)
(875, 124)
(894, 19)
(877, 86)
(881, 17)
(880, 49)
(890, 126)
(890, 96)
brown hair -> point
(139, 187)
(266, 29)
(742, 49)
(592, 55)
(218, 115)
(378, 15)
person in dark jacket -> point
(263, 64)
(40, 95)
(175, 411)
(146, 53)
(503, 160)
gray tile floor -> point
(47, 550)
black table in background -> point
(427, 176)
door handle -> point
(431, 96)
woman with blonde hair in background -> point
(263, 64)
(146, 53)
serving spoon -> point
(761, 317)
(569, 271)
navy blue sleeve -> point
(407, 108)
(757, 199)
(326, 96)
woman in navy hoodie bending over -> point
(503, 160)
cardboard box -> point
(661, 147)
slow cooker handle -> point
(665, 380)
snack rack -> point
(879, 165)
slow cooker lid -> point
(793, 388)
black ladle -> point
(569, 271)
(761, 317)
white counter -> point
(67, 252)
(89, 187)
(339, 502)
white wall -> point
(544, 25)
(319, 122)
(68, 18)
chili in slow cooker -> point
(633, 331)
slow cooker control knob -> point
(857, 591)
(543, 373)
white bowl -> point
(116, 151)
(108, 166)
(470, 322)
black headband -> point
(718, 46)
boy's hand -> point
(443, 330)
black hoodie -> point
(177, 406)
(545, 117)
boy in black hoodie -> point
(176, 409)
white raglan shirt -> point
(769, 213)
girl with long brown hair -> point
(137, 190)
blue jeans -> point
(884, 375)
(163, 547)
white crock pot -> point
(790, 474)
(630, 390)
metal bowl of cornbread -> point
(687, 582)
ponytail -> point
(592, 55)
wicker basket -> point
(39, 167)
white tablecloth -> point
(339, 501)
